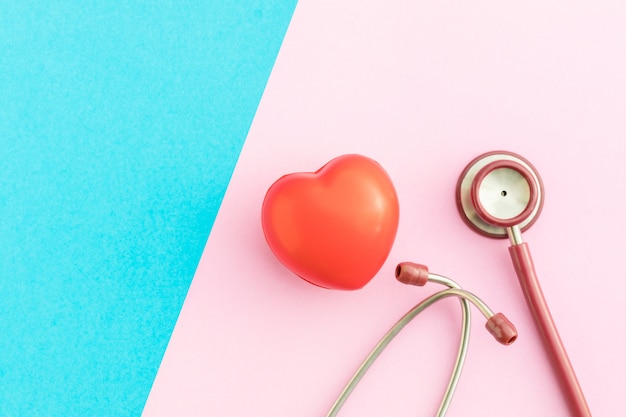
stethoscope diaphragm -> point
(498, 190)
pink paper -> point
(422, 88)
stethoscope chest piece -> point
(498, 190)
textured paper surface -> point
(120, 124)
(423, 88)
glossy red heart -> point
(333, 227)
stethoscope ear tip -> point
(412, 273)
(502, 329)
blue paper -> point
(120, 125)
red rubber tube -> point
(525, 270)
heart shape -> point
(334, 227)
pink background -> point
(422, 87)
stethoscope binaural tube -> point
(500, 194)
(416, 274)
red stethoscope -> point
(499, 195)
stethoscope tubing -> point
(525, 270)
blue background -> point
(120, 125)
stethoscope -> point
(499, 195)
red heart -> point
(334, 227)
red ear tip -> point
(502, 329)
(412, 273)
